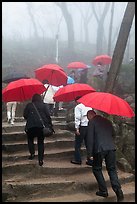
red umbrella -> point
(103, 59)
(77, 65)
(71, 91)
(22, 90)
(108, 103)
(51, 74)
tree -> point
(69, 23)
(110, 29)
(128, 47)
(100, 29)
(87, 16)
(30, 12)
(120, 46)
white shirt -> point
(48, 98)
(81, 115)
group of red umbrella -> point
(53, 74)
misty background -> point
(30, 31)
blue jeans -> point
(110, 161)
(78, 142)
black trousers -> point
(110, 161)
(51, 108)
(78, 142)
(56, 109)
(31, 134)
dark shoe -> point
(40, 163)
(89, 162)
(31, 156)
(102, 193)
(120, 196)
(9, 120)
(75, 162)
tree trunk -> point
(120, 46)
(128, 49)
(110, 29)
(100, 38)
(86, 33)
(100, 30)
(69, 22)
(30, 12)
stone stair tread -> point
(20, 126)
(65, 164)
(47, 140)
(22, 123)
(23, 132)
(13, 133)
(21, 117)
(77, 177)
(5, 124)
(47, 151)
(61, 163)
(90, 196)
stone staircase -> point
(57, 180)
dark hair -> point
(99, 63)
(78, 97)
(92, 112)
(45, 81)
(36, 97)
(73, 71)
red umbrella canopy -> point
(108, 103)
(51, 74)
(103, 59)
(22, 90)
(71, 91)
(77, 65)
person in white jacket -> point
(48, 98)
(11, 109)
(81, 127)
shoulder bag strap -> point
(39, 115)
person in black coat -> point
(100, 145)
(34, 126)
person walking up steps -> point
(34, 126)
(100, 146)
(11, 110)
(81, 126)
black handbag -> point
(47, 131)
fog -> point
(16, 20)
(34, 26)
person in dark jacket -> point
(83, 76)
(34, 126)
(100, 145)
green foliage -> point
(125, 82)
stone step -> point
(60, 117)
(35, 188)
(50, 167)
(57, 180)
(20, 126)
(21, 135)
(49, 144)
(51, 153)
(129, 196)
(128, 189)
